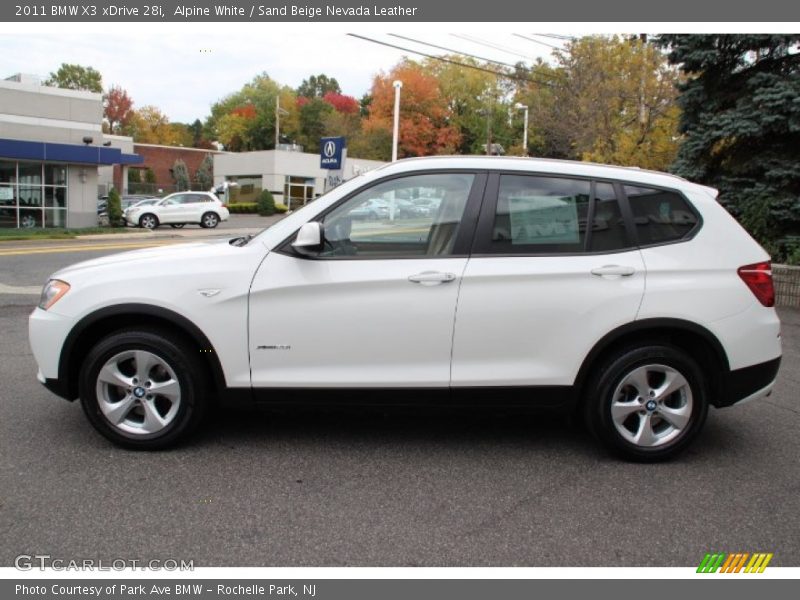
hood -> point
(168, 253)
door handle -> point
(432, 277)
(613, 271)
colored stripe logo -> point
(738, 562)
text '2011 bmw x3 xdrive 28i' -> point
(630, 296)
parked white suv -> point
(201, 208)
(629, 296)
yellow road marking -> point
(88, 248)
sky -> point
(183, 70)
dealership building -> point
(51, 145)
(294, 177)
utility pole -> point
(278, 111)
(396, 128)
(520, 106)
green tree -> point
(76, 77)
(114, 208)
(608, 99)
(317, 86)
(312, 122)
(181, 175)
(266, 204)
(205, 173)
(741, 126)
(477, 102)
(245, 120)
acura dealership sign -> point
(330, 155)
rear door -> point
(553, 269)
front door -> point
(375, 307)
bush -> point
(280, 208)
(243, 208)
(266, 204)
(114, 209)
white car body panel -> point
(502, 321)
(351, 323)
(509, 306)
(199, 266)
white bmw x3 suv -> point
(178, 209)
(628, 296)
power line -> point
(453, 62)
(537, 41)
(556, 36)
(492, 45)
(496, 62)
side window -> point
(608, 227)
(540, 215)
(419, 215)
(660, 215)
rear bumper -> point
(750, 383)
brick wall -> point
(161, 159)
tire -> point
(27, 222)
(148, 221)
(209, 220)
(123, 408)
(177, 225)
(631, 407)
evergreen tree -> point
(205, 173)
(181, 175)
(741, 126)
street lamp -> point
(278, 112)
(520, 106)
(397, 85)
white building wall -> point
(275, 165)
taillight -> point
(758, 278)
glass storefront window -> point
(55, 197)
(55, 217)
(33, 194)
(298, 191)
(55, 175)
(247, 188)
(8, 172)
(30, 196)
(30, 173)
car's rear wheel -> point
(148, 221)
(143, 389)
(209, 220)
(647, 403)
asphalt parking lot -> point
(384, 489)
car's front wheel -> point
(148, 221)
(143, 389)
(647, 403)
(209, 220)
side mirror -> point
(309, 239)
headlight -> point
(52, 293)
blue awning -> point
(67, 153)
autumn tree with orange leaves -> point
(425, 120)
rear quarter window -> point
(660, 216)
